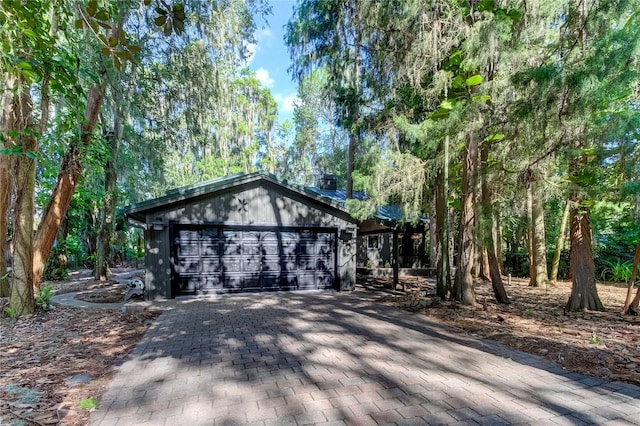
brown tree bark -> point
(107, 214)
(354, 111)
(22, 299)
(496, 232)
(63, 233)
(17, 118)
(537, 242)
(463, 286)
(443, 269)
(530, 244)
(560, 243)
(6, 184)
(629, 306)
(70, 172)
(584, 294)
(5, 201)
(487, 208)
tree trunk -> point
(22, 291)
(560, 243)
(354, 109)
(18, 118)
(5, 201)
(70, 171)
(537, 245)
(103, 246)
(636, 301)
(632, 307)
(496, 233)
(63, 233)
(443, 270)
(530, 244)
(487, 229)
(539, 240)
(584, 294)
(463, 286)
(484, 264)
(6, 184)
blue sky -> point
(270, 58)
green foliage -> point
(43, 298)
(89, 403)
(615, 230)
(10, 312)
(170, 17)
(594, 338)
(617, 270)
(397, 178)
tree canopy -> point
(491, 117)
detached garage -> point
(241, 233)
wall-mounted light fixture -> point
(347, 234)
(157, 224)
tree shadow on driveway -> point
(307, 358)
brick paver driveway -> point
(340, 359)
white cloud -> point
(285, 102)
(264, 78)
(251, 49)
(264, 38)
(264, 35)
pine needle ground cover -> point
(601, 344)
(54, 364)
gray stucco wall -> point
(259, 203)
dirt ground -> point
(600, 344)
(53, 361)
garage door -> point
(223, 259)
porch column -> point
(396, 263)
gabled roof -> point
(138, 211)
(335, 199)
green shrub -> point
(616, 270)
(89, 403)
(43, 298)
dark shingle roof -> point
(336, 198)
(389, 213)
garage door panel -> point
(189, 285)
(325, 249)
(214, 281)
(232, 282)
(215, 259)
(323, 265)
(325, 280)
(307, 263)
(307, 281)
(232, 242)
(251, 264)
(188, 248)
(270, 248)
(232, 265)
(289, 247)
(251, 248)
(188, 265)
(271, 281)
(210, 266)
(188, 234)
(271, 265)
(251, 281)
